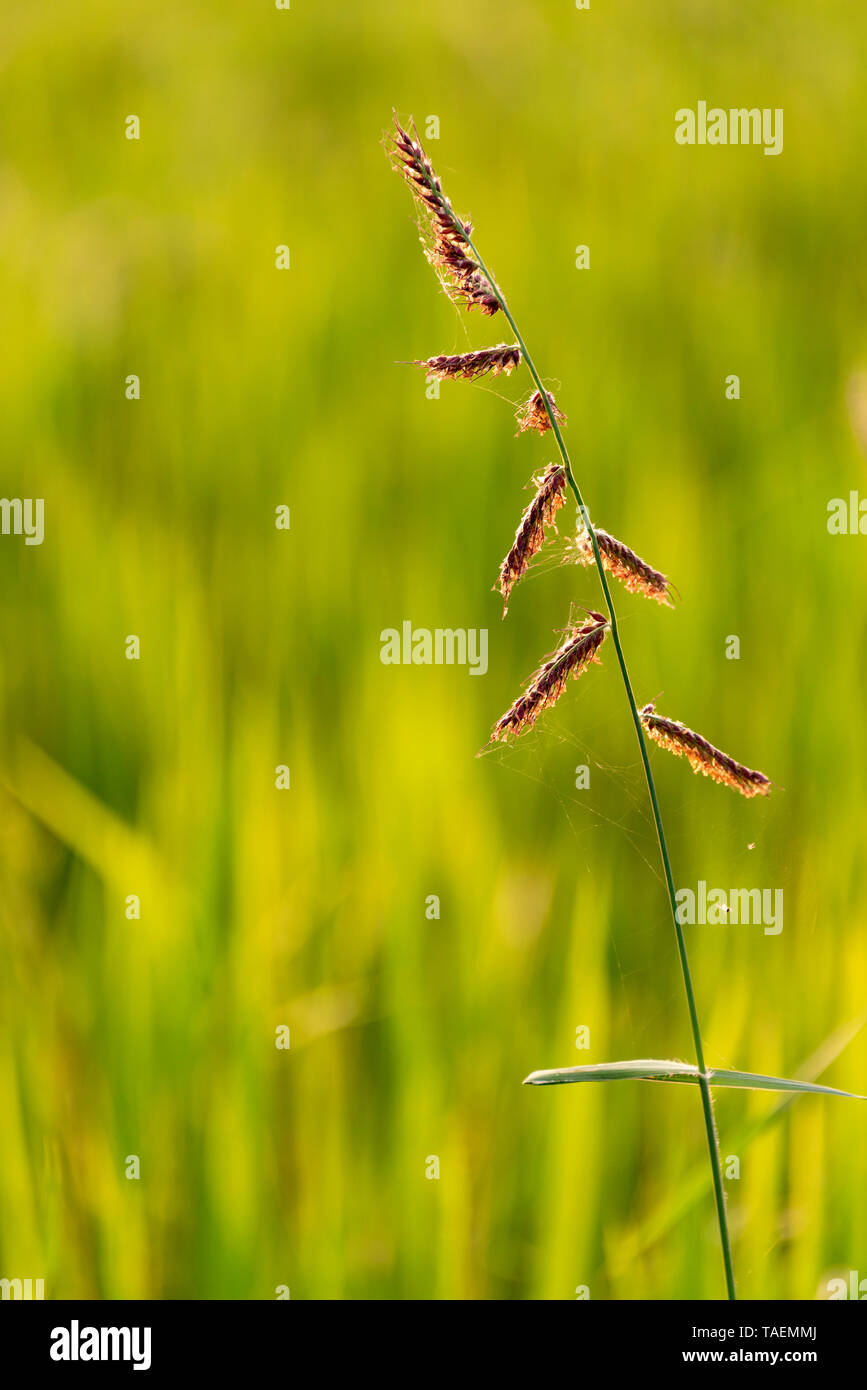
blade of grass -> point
(646, 1069)
(749, 1081)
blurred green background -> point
(305, 907)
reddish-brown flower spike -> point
(444, 235)
(548, 683)
(532, 415)
(540, 512)
(624, 564)
(702, 756)
(502, 358)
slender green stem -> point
(706, 1099)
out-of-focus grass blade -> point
(116, 851)
(644, 1069)
(749, 1081)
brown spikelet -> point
(444, 236)
(702, 756)
(540, 512)
(548, 683)
(532, 415)
(624, 564)
(502, 358)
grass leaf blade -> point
(643, 1069)
(752, 1081)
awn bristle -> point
(539, 513)
(702, 756)
(548, 683)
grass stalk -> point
(704, 1084)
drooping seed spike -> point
(548, 683)
(532, 415)
(444, 235)
(702, 756)
(539, 513)
(636, 574)
(469, 365)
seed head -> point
(702, 756)
(444, 235)
(532, 415)
(624, 564)
(502, 358)
(541, 511)
(548, 683)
